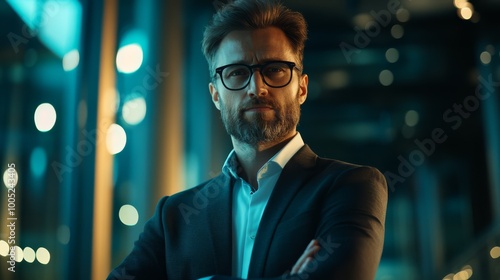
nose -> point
(256, 87)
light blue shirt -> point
(249, 205)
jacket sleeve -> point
(147, 259)
(351, 229)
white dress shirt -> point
(248, 205)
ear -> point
(215, 95)
(303, 82)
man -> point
(277, 210)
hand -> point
(306, 257)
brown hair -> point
(251, 15)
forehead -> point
(254, 46)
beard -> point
(260, 130)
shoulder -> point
(209, 188)
(346, 169)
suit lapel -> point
(219, 195)
(296, 171)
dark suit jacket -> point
(341, 205)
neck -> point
(253, 157)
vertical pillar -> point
(491, 117)
(103, 186)
(428, 221)
(169, 138)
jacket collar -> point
(293, 176)
(219, 195)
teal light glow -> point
(56, 23)
(38, 161)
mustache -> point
(258, 102)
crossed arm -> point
(306, 257)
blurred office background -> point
(104, 108)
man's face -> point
(258, 113)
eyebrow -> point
(263, 61)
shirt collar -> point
(232, 167)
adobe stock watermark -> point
(362, 38)
(201, 198)
(74, 156)
(327, 249)
(454, 116)
(49, 10)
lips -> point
(259, 108)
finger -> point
(304, 265)
(311, 249)
(302, 258)
(309, 259)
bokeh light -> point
(411, 118)
(4, 248)
(485, 57)
(45, 117)
(128, 215)
(134, 110)
(392, 55)
(495, 252)
(10, 177)
(386, 77)
(403, 15)
(63, 234)
(29, 254)
(397, 31)
(116, 139)
(459, 3)
(466, 13)
(71, 60)
(129, 58)
(18, 254)
(43, 255)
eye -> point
(236, 71)
(275, 69)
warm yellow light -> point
(336, 79)
(4, 248)
(18, 252)
(129, 58)
(71, 60)
(43, 255)
(10, 177)
(495, 252)
(128, 215)
(362, 20)
(463, 274)
(468, 269)
(466, 13)
(116, 139)
(460, 3)
(29, 254)
(449, 276)
(45, 117)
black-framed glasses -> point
(275, 74)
